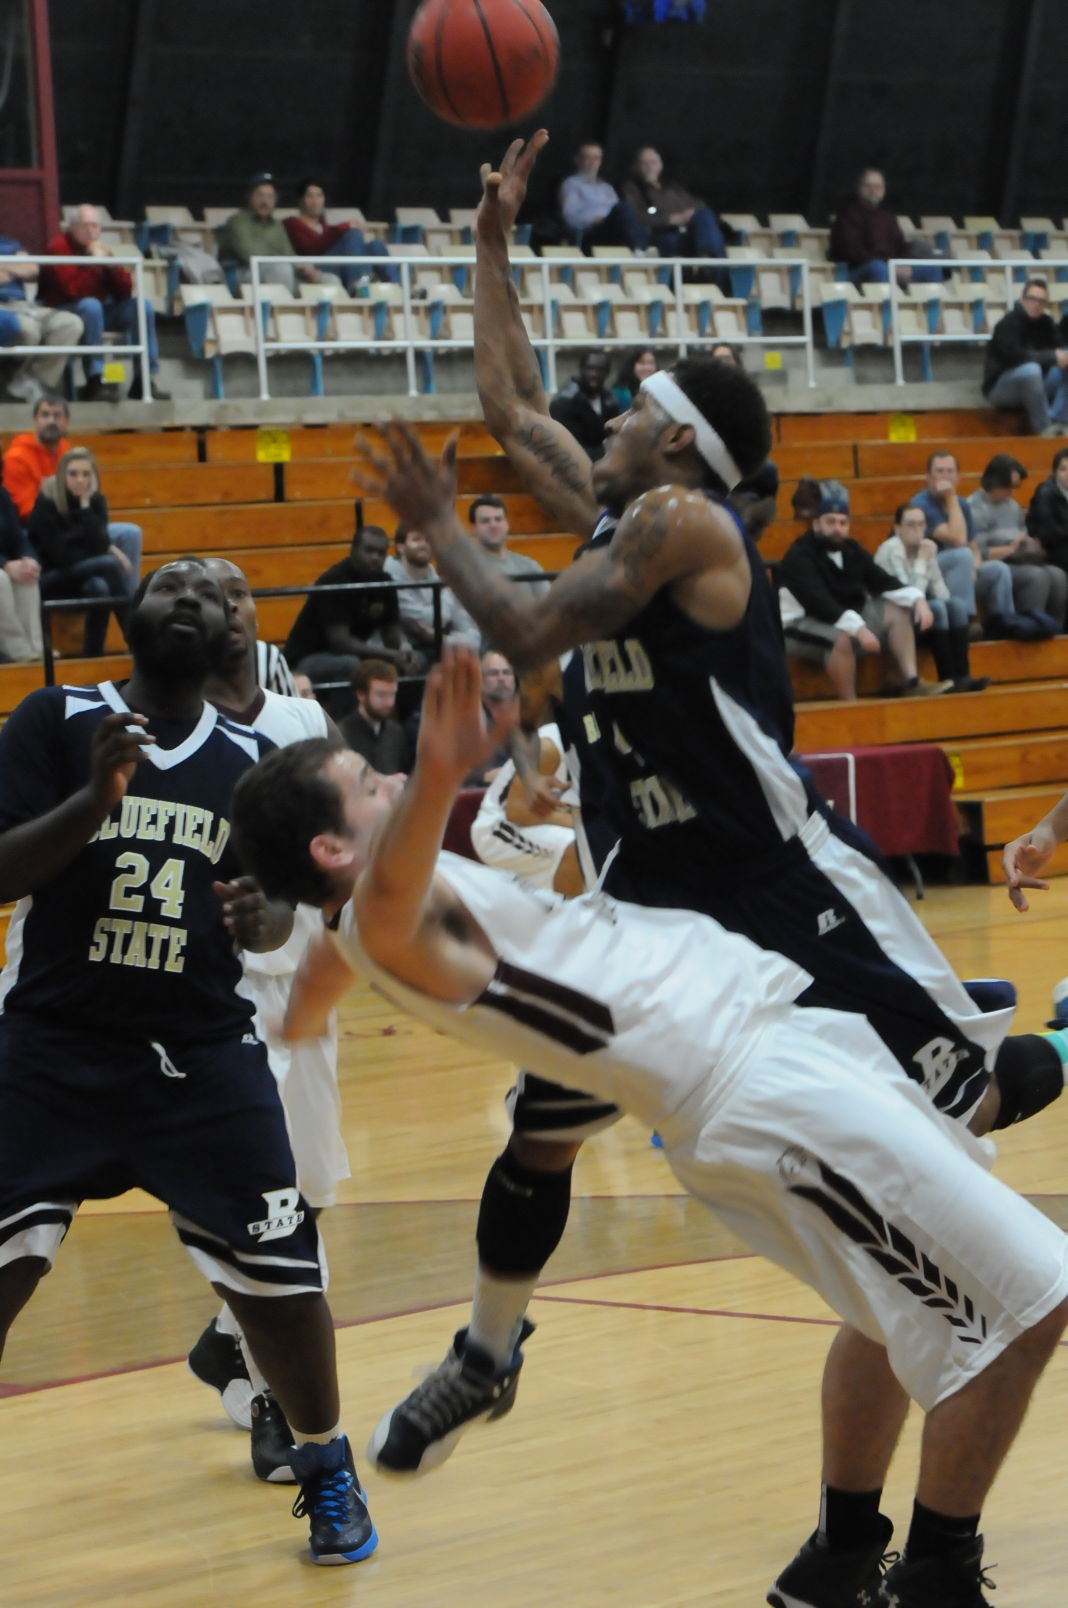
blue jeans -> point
(120, 316)
(96, 578)
(701, 237)
(958, 571)
(1043, 397)
(129, 540)
(353, 244)
(949, 613)
(877, 272)
(10, 329)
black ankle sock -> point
(932, 1534)
(849, 1519)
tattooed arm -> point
(546, 456)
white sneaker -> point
(25, 388)
(1060, 1001)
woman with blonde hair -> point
(69, 529)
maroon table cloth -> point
(903, 795)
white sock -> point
(496, 1313)
(300, 1438)
(226, 1323)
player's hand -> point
(118, 745)
(420, 489)
(543, 796)
(453, 738)
(504, 189)
(1022, 861)
(249, 916)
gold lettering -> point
(99, 946)
(175, 961)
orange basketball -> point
(481, 63)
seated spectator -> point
(335, 630)
(1047, 517)
(254, 231)
(412, 563)
(102, 297)
(69, 529)
(1027, 363)
(912, 558)
(20, 595)
(31, 457)
(303, 686)
(837, 604)
(31, 323)
(973, 581)
(499, 689)
(592, 210)
(311, 236)
(678, 224)
(1001, 532)
(866, 234)
(637, 365)
(584, 405)
(371, 729)
(489, 517)
(530, 832)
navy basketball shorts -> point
(85, 1116)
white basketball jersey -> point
(639, 1007)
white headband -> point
(677, 405)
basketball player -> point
(794, 1122)
(678, 717)
(127, 1056)
(307, 1072)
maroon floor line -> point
(687, 1312)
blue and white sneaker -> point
(334, 1503)
(1060, 1004)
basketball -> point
(483, 63)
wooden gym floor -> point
(663, 1452)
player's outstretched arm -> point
(1026, 857)
(666, 536)
(38, 849)
(546, 456)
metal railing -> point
(548, 344)
(138, 349)
(1012, 271)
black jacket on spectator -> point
(573, 409)
(1047, 520)
(823, 589)
(386, 750)
(61, 543)
(1017, 339)
(361, 613)
(14, 543)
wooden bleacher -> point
(202, 490)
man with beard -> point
(127, 1056)
(306, 1073)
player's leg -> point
(522, 1217)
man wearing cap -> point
(837, 604)
(254, 231)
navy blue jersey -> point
(129, 938)
(681, 737)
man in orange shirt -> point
(33, 456)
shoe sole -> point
(330, 1559)
(282, 1475)
(236, 1396)
(438, 1451)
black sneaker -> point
(819, 1578)
(955, 1580)
(216, 1360)
(272, 1442)
(333, 1502)
(465, 1389)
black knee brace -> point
(522, 1217)
(1030, 1077)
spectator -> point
(254, 231)
(102, 296)
(20, 596)
(490, 518)
(311, 236)
(31, 323)
(1001, 532)
(1047, 517)
(371, 729)
(35, 454)
(499, 689)
(866, 234)
(69, 529)
(412, 563)
(678, 224)
(950, 526)
(754, 499)
(584, 405)
(637, 365)
(1026, 361)
(335, 630)
(303, 686)
(838, 605)
(592, 210)
(910, 556)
